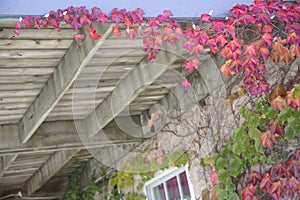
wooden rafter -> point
(76, 58)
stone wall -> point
(205, 121)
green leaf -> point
(233, 196)
(237, 148)
(221, 163)
(254, 133)
(221, 193)
(259, 147)
(293, 128)
(235, 166)
(223, 175)
(229, 186)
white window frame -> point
(163, 177)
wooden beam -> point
(49, 169)
(5, 162)
(129, 88)
(63, 77)
(56, 136)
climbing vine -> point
(266, 30)
(247, 38)
(274, 124)
(111, 187)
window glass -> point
(173, 190)
(159, 192)
(184, 185)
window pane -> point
(184, 185)
(173, 190)
(159, 192)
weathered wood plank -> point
(35, 44)
(56, 136)
(5, 162)
(114, 52)
(25, 71)
(118, 43)
(20, 86)
(12, 111)
(48, 170)
(20, 54)
(18, 93)
(28, 62)
(128, 89)
(106, 62)
(24, 79)
(43, 33)
(10, 106)
(25, 99)
(65, 74)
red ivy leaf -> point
(226, 70)
(131, 33)
(154, 22)
(264, 17)
(85, 20)
(264, 53)
(116, 31)
(267, 39)
(250, 50)
(191, 65)
(214, 177)
(276, 128)
(253, 178)
(267, 139)
(278, 170)
(292, 168)
(196, 50)
(93, 34)
(185, 84)
(166, 15)
(249, 191)
(266, 182)
(79, 37)
(277, 190)
(218, 25)
(278, 103)
(205, 18)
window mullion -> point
(179, 187)
(166, 191)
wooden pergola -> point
(51, 86)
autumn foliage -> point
(266, 30)
(247, 38)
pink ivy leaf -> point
(214, 177)
(185, 84)
(218, 25)
(79, 37)
(95, 13)
(131, 33)
(196, 50)
(205, 18)
(85, 20)
(18, 25)
(103, 18)
(93, 34)
(116, 31)
(117, 15)
(189, 66)
(166, 15)
(154, 22)
(264, 17)
(75, 23)
(137, 15)
(267, 38)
